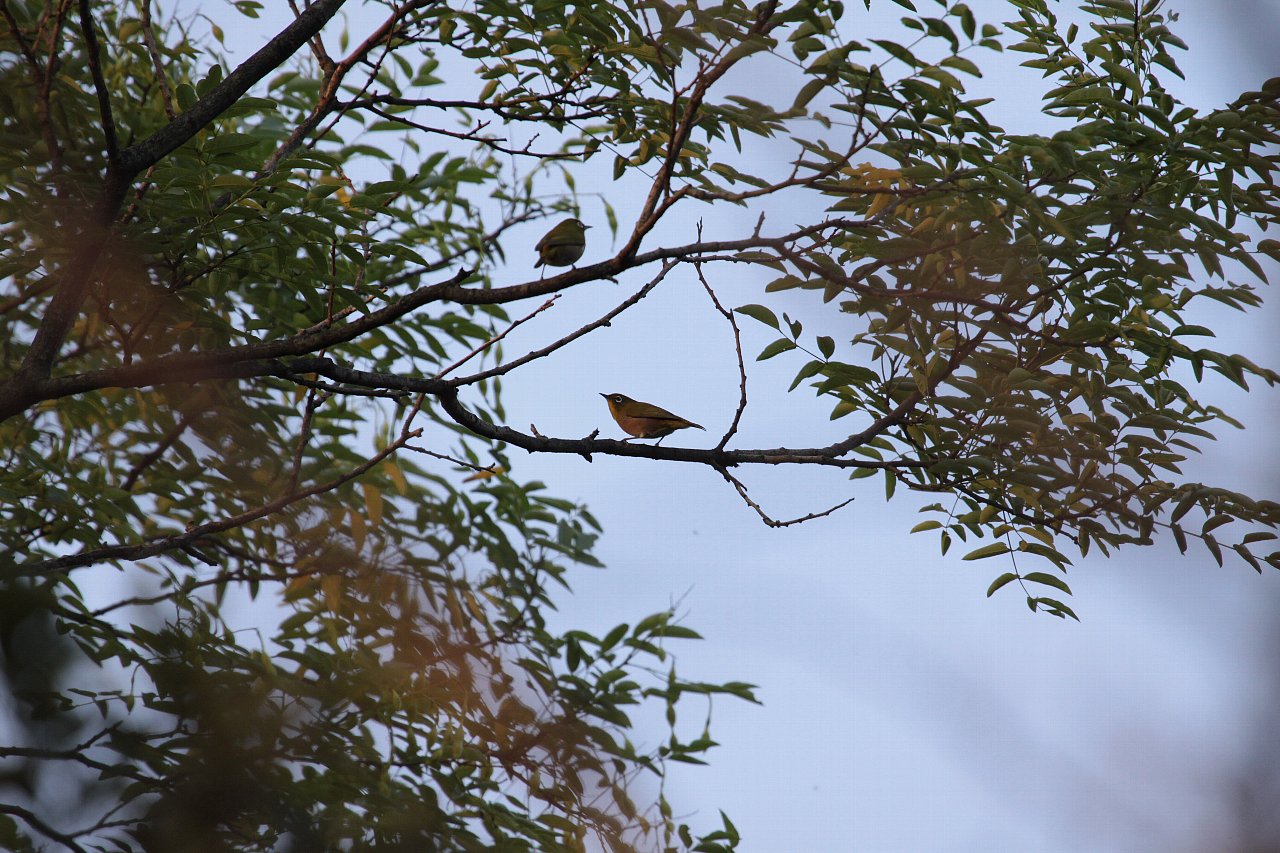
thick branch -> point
(20, 392)
(258, 359)
(99, 82)
(286, 43)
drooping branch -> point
(737, 349)
(769, 521)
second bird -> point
(644, 420)
(562, 245)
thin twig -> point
(444, 457)
(151, 458)
(314, 399)
(40, 826)
(500, 369)
(771, 522)
(479, 348)
(737, 346)
(149, 39)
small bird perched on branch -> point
(562, 245)
(644, 420)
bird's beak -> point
(606, 396)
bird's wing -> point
(550, 240)
(648, 410)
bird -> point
(644, 420)
(563, 244)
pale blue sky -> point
(904, 711)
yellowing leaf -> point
(491, 471)
(331, 586)
(358, 528)
(397, 477)
(373, 503)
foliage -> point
(270, 579)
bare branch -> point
(473, 135)
(737, 347)
(479, 348)
(824, 456)
(771, 522)
(500, 369)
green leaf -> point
(992, 550)
(1057, 608)
(1048, 580)
(779, 346)
(761, 313)
(1001, 581)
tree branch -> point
(500, 369)
(40, 826)
(186, 538)
(335, 73)
(285, 44)
(256, 359)
(764, 516)
(99, 82)
(20, 391)
(737, 348)
(825, 456)
(153, 50)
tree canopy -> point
(255, 318)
